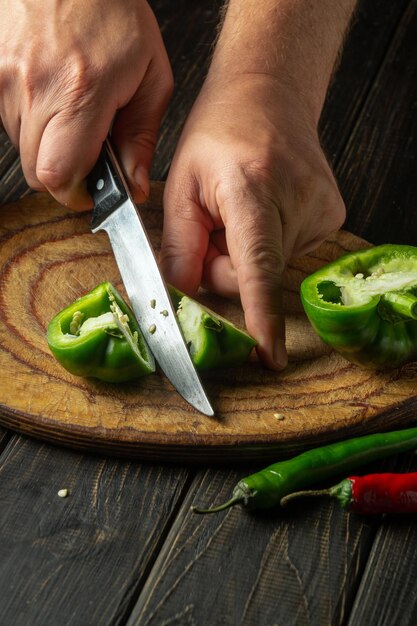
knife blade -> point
(115, 212)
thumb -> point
(254, 238)
(136, 128)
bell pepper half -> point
(364, 305)
(98, 336)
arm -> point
(295, 42)
(249, 185)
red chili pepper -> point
(372, 494)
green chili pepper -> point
(364, 305)
(266, 488)
(98, 336)
(213, 341)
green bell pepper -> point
(98, 336)
(364, 305)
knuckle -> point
(67, 83)
(78, 76)
(263, 261)
(29, 79)
(49, 176)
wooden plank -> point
(12, 182)
(386, 594)
(371, 30)
(377, 174)
(4, 437)
(189, 29)
(292, 567)
(80, 559)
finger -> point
(254, 237)
(136, 126)
(68, 149)
(185, 236)
(28, 145)
(21, 133)
(219, 276)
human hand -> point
(249, 187)
(68, 70)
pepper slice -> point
(364, 305)
(98, 336)
(213, 341)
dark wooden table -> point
(124, 548)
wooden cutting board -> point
(49, 257)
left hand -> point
(249, 188)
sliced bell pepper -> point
(364, 305)
(98, 336)
(213, 341)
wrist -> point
(271, 100)
(294, 42)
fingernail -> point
(141, 179)
(279, 354)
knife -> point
(115, 212)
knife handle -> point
(105, 185)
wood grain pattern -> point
(49, 257)
(189, 31)
(4, 436)
(294, 567)
(378, 171)
(12, 182)
(80, 559)
(372, 27)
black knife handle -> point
(106, 186)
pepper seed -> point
(63, 493)
(152, 329)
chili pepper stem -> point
(221, 507)
(301, 494)
(241, 495)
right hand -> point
(68, 72)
